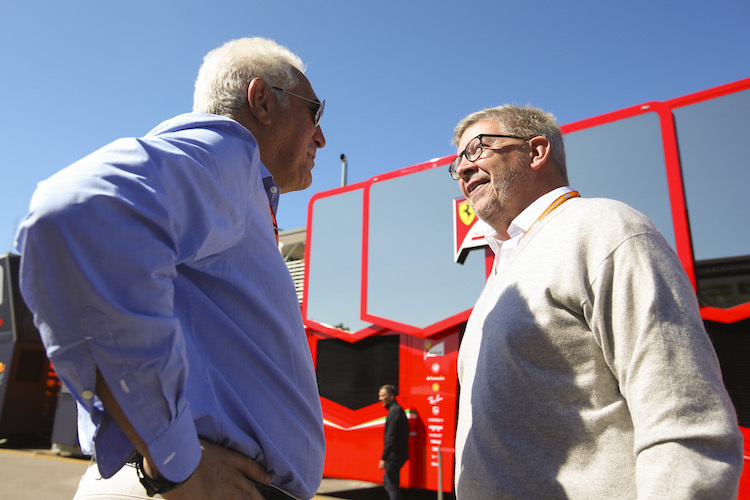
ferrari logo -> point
(468, 229)
(466, 213)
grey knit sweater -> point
(586, 372)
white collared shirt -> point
(520, 226)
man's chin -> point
(487, 212)
(299, 186)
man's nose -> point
(465, 168)
(319, 138)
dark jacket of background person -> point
(396, 435)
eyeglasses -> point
(320, 104)
(473, 151)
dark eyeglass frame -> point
(453, 167)
(318, 112)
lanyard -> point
(275, 226)
(559, 201)
(562, 199)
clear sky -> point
(397, 75)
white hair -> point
(226, 72)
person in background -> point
(395, 441)
(154, 275)
(585, 369)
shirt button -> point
(274, 189)
(87, 394)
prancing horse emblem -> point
(466, 213)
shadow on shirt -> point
(515, 447)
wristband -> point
(154, 486)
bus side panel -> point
(430, 373)
(427, 391)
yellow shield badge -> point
(466, 213)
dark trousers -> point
(391, 479)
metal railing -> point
(442, 450)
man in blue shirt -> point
(153, 272)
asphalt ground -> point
(45, 475)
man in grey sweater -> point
(585, 369)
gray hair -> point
(524, 122)
(223, 79)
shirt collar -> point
(530, 214)
(523, 221)
(273, 191)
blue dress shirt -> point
(155, 261)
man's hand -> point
(223, 474)
(381, 465)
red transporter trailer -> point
(390, 281)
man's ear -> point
(540, 151)
(260, 100)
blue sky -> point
(397, 75)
